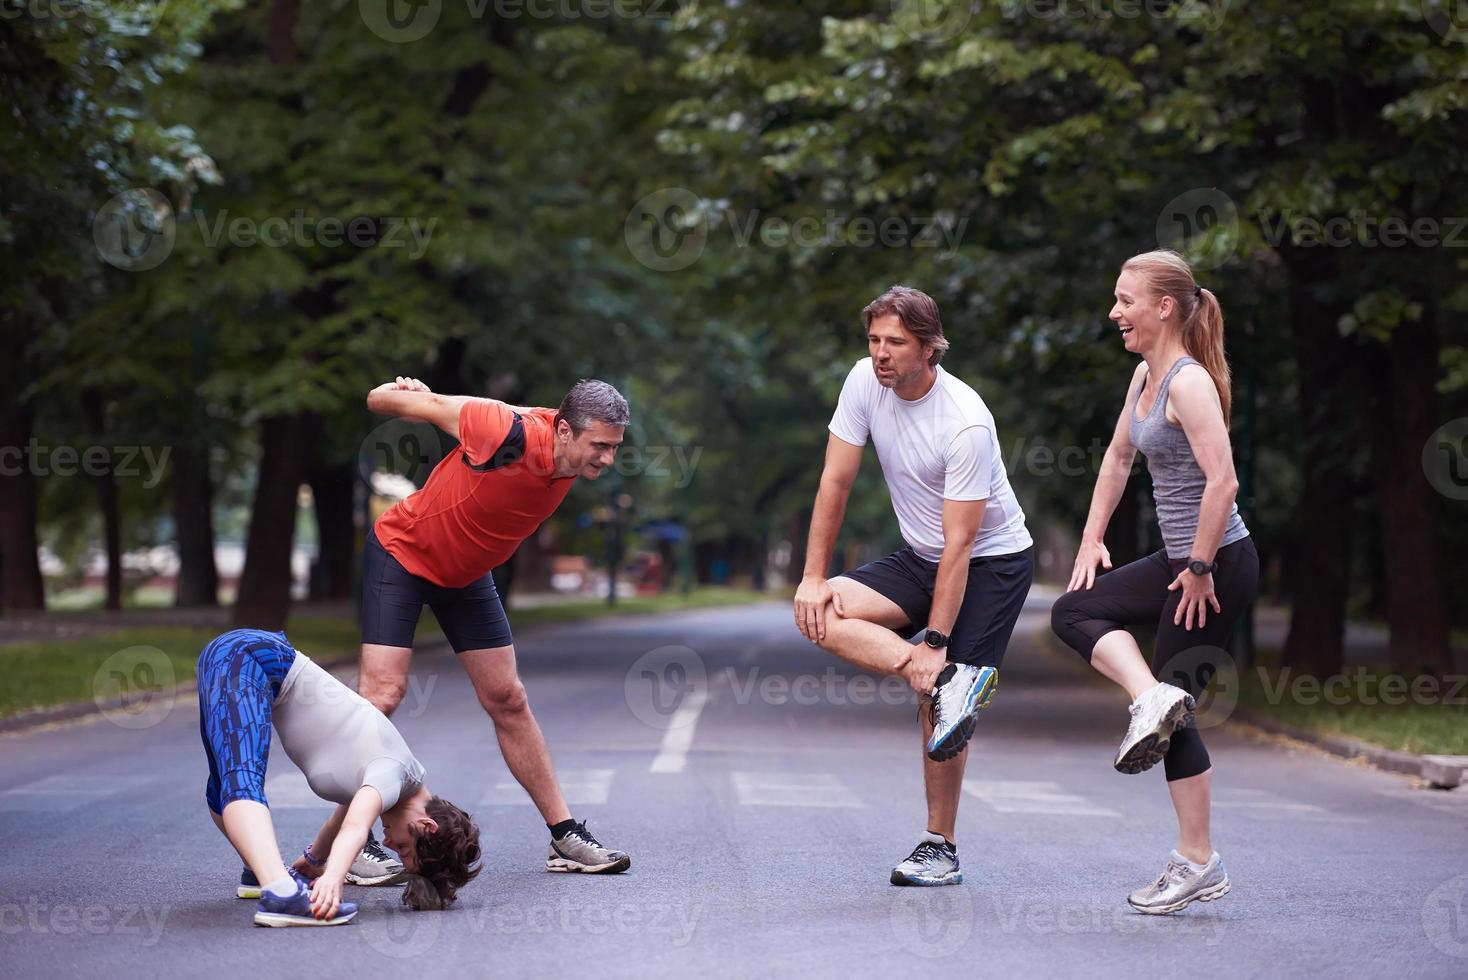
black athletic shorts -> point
(997, 587)
(472, 617)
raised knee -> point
(504, 700)
(1062, 614)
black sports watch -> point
(1200, 567)
(936, 639)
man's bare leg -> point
(944, 784)
(521, 741)
(383, 679)
(863, 637)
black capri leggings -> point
(1137, 594)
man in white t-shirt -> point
(967, 566)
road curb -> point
(1443, 772)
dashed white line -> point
(578, 786)
(795, 789)
(1018, 796)
(678, 739)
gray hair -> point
(591, 401)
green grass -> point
(1436, 723)
(108, 664)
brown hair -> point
(918, 313)
(1168, 274)
(448, 858)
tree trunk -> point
(193, 522)
(21, 586)
(1403, 415)
(1320, 564)
(1123, 535)
(94, 409)
(265, 583)
(333, 490)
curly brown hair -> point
(448, 858)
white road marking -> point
(1259, 799)
(578, 786)
(678, 739)
(797, 789)
(1018, 796)
(62, 794)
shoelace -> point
(927, 851)
(1173, 872)
(580, 832)
(374, 850)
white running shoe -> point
(1179, 886)
(1155, 716)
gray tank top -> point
(1177, 479)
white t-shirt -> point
(942, 446)
(339, 740)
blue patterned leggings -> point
(240, 674)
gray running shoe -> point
(374, 866)
(932, 862)
(1179, 885)
(579, 851)
(955, 709)
(1155, 716)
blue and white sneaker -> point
(933, 862)
(296, 911)
(249, 886)
(956, 705)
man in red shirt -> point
(512, 468)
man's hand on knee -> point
(811, 601)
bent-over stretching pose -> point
(351, 755)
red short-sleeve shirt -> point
(465, 521)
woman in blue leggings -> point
(1194, 589)
(351, 755)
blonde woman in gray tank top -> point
(1193, 589)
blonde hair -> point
(1167, 273)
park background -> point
(222, 224)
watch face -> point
(934, 638)
(1199, 567)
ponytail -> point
(1203, 340)
(1168, 274)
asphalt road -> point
(764, 793)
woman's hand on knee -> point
(1091, 553)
